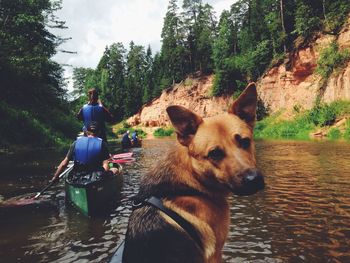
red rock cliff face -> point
(295, 83)
(192, 94)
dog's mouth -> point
(252, 182)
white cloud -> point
(93, 25)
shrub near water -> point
(323, 114)
(126, 127)
(160, 132)
(273, 128)
(334, 134)
(347, 130)
(304, 123)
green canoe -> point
(94, 197)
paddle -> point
(123, 160)
(54, 181)
(122, 155)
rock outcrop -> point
(292, 84)
(192, 93)
(295, 83)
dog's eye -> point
(217, 154)
(242, 142)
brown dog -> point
(213, 158)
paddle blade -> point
(22, 200)
(18, 206)
(124, 160)
(122, 155)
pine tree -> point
(221, 51)
(27, 74)
(206, 33)
(149, 83)
(111, 70)
(172, 51)
(135, 82)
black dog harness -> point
(183, 223)
(158, 204)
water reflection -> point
(303, 215)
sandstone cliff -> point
(192, 93)
(292, 83)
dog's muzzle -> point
(252, 181)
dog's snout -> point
(252, 181)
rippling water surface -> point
(303, 215)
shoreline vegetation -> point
(326, 121)
(239, 45)
(329, 122)
(323, 121)
(22, 130)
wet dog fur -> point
(213, 158)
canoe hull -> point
(96, 197)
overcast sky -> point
(93, 25)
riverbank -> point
(323, 121)
(23, 130)
(329, 121)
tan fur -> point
(213, 158)
(210, 216)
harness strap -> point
(188, 227)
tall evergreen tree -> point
(135, 82)
(111, 70)
(191, 10)
(157, 75)
(27, 73)
(221, 51)
(79, 77)
(148, 83)
(32, 87)
(206, 33)
(172, 51)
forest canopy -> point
(238, 46)
(33, 96)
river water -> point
(303, 215)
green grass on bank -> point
(163, 132)
(21, 128)
(322, 115)
(122, 127)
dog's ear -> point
(245, 105)
(185, 123)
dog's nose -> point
(252, 182)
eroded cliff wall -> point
(295, 83)
(292, 83)
(191, 93)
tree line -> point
(238, 47)
(33, 109)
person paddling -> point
(135, 138)
(126, 142)
(95, 111)
(90, 155)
